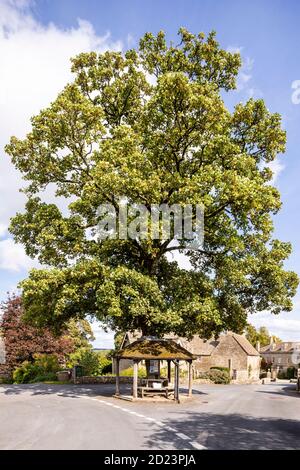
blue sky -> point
(37, 39)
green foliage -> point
(290, 373)
(225, 369)
(282, 375)
(25, 373)
(45, 377)
(118, 338)
(47, 362)
(218, 376)
(80, 332)
(260, 335)
(6, 380)
(265, 365)
(43, 368)
(142, 373)
(92, 362)
(105, 365)
(88, 359)
(114, 133)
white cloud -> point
(234, 49)
(103, 339)
(276, 166)
(3, 230)
(245, 75)
(286, 326)
(35, 66)
(13, 257)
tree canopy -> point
(260, 335)
(23, 341)
(150, 124)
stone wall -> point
(254, 364)
(103, 379)
(227, 353)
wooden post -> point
(230, 367)
(176, 381)
(169, 371)
(190, 378)
(117, 376)
(135, 378)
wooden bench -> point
(165, 391)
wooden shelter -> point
(153, 351)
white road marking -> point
(170, 429)
(181, 435)
(197, 445)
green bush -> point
(87, 359)
(282, 375)
(290, 372)
(44, 367)
(93, 363)
(49, 376)
(105, 365)
(218, 376)
(202, 375)
(142, 373)
(26, 372)
(47, 362)
(224, 369)
(6, 380)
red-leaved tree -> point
(22, 341)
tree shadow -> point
(227, 432)
(183, 389)
(290, 391)
(66, 390)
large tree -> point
(22, 341)
(151, 125)
(260, 335)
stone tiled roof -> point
(283, 347)
(197, 345)
(148, 348)
(201, 347)
(245, 344)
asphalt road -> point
(87, 417)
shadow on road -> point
(288, 391)
(70, 390)
(232, 431)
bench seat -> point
(165, 391)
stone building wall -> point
(283, 360)
(103, 379)
(227, 354)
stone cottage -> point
(229, 350)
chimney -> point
(272, 344)
(258, 346)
